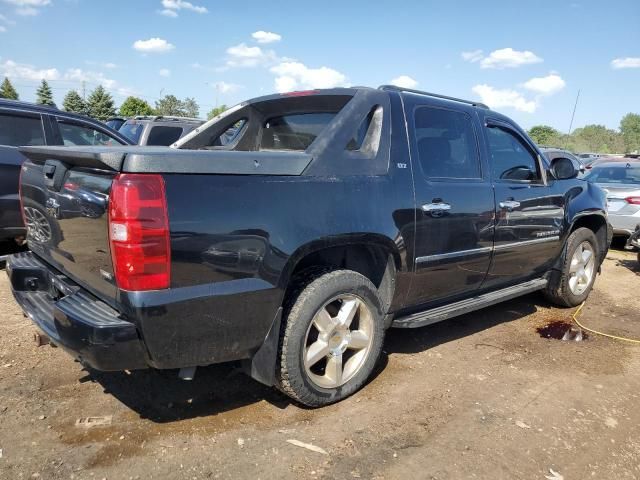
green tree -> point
(73, 102)
(630, 129)
(544, 135)
(170, 105)
(133, 106)
(190, 107)
(44, 95)
(216, 111)
(597, 138)
(7, 90)
(100, 104)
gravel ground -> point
(480, 396)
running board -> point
(438, 314)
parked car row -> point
(24, 124)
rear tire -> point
(331, 340)
(571, 285)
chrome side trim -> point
(476, 251)
(525, 243)
(461, 253)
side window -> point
(17, 130)
(446, 143)
(230, 135)
(164, 136)
(511, 159)
(76, 134)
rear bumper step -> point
(72, 318)
(451, 310)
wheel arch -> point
(374, 256)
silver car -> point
(621, 182)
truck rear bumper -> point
(72, 318)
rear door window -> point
(446, 142)
(295, 131)
(17, 130)
(73, 134)
(132, 130)
(165, 136)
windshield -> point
(629, 175)
(132, 130)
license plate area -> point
(615, 204)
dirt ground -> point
(480, 396)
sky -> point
(526, 59)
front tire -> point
(331, 340)
(571, 285)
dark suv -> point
(158, 130)
(290, 232)
(23, 123)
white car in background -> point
(621, 182)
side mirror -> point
(564, 168)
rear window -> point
(295, 131)
(164, 135)
(132, 131)
(626, 176)
(16, 130)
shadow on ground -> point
(162, 397)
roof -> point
(170, 118)
(34, 107)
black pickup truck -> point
(290, 232)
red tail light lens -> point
(633, 200)
(139, 232)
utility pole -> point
(574, 112)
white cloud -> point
(3, 29)
(509, 58)
(224, 87)
(153, 45)
(404, 81)
(266, 37)
(164, 72)
(628, 62)
(548, 85)
(171, 7)
(79, 75)
(242, 55)
(168, 13)
(6, 20)
(11, 69)
(28, 7)
(504, 98)
(292, 75)
(473, 56)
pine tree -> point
(44, 94)
(7, 90)
(100, 104)
(73, 102)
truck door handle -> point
(509, 204)
(436, 207)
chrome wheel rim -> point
(581, 268)
(38, 226)
(338, 341)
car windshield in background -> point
(294, 132)
(132, 131)
(625, 175)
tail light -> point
(633, 200)
(139, 232)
